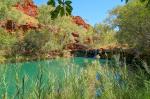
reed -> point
(92, 81)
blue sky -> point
(93, 11)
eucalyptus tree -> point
(133, 22)
(61, 8)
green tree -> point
(62, 8)
(133, 22)
(104, 35)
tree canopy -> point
(133, 22)
(62, 8)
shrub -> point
(34, 41)
(7, 41)
(104, 36)
(44, 16)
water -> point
(31, 70)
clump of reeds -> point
(93, 81)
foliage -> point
(55, 35)
(2, 59)
(10, 3)
(5, 6)
(14, 14)
(34, 40)
(44, 15)
(6, 40)
(91, 81)
(61, 30)
(104, 36)
(67, 27)
(8, 12)
(133, 23)
(63, 8)
(3, 10)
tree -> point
(63, 8)
(133, 22)
(104, 35)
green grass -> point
(91, 82)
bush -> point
(61, 35)
(67, 27)
(5, 7)
(7, 41)
(44, 16)
(2, 59)
(105, 36)
(34, 41)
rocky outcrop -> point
(75, 46)
(75, 34)
(29, 12)
(27, 27)
(27, 7)
(79, 21)
(11, 26)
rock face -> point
(75, 44)
(28, 7)
(30, 12)
(79, 21)
(11, 26)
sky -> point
(92, 11)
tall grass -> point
(93, 81)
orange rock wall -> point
(79, 21)
(28, 7)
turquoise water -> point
(31, 70)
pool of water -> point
(31, 70)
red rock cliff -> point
(79, 21)
(28, 7)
